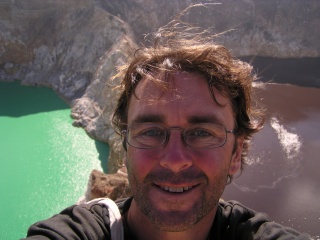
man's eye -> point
(152, 132)
(200, 133)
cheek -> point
(139, 162)
(210, 159)
(213, 163)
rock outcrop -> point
(74, 46)
(100, 185)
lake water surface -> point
(45, 161)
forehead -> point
(186, 96)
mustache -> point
(167, 176)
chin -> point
(173, 221)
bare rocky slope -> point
(74, 47)
(282, 29)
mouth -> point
(176, 189)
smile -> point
(176, 189)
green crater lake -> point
(45, 161)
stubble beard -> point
(174, 220)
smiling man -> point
(181, 148)
(186, 120)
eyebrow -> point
(159, 118)
(156, 118)
(205, 119)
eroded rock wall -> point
(60, 44)
(280, 29)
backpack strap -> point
(116, 226)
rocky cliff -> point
(74, 46)
(281, 29)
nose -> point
(176, 155)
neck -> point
(143, 229)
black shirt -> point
(91, 221)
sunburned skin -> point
(176, 188)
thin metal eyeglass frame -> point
(182, 130)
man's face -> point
(175, 185)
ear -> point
(235, 163)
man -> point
(186, 120)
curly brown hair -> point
(181, 47)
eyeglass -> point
(203, 135)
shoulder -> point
(101, 203)
(76, 222)
(236, 221)
(237, 212)
(100, 206)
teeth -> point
(176, 189)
